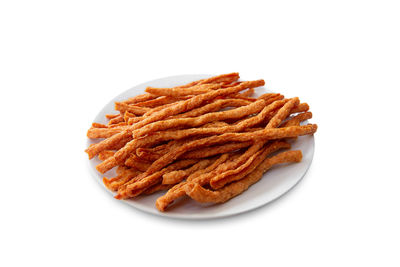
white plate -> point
(274, 184)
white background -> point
(61, 61)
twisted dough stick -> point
(177, 92)
(200, 194)
(201, 120)
(180, 107)
(236, 174)
(267, 134)
(153, 178)
(179, 190)
(175, 177)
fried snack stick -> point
(212, 107)
(116, 120)
(175, 177)
(128, 115)
(274, 98)
(180, 107)
(247, 93)
(112, 116)
(263, 135)
(151, 155)
(224, 178)
(156, 188)
(139, 98)
(296, 120)
(147, 114)
(130, 190)
(184, 133)
(125, 174)
(117, 125)
(137, 163)
(103, 155)
(104, 132)
(267, 96)
(98, 125)
(122, 107)
(223, 78)
(152, 179)
(201, 120)
(160, 101)
(215, 150)
(202, 195)
(188, 91)
(178, 191)
(274, 122)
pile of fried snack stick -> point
(208, 140)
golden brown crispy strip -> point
(147, 114)
(178, 92)
(125, 175)
(200, 194)
(178, 191)
(274, 98)
(137, 187)
(283, 113)
(112, 116)
(156, 188)
(103, 155)
(228, 78)
(229, 176)
(302, 107)
(214, 106)
(215, 150)
(140, 98)
(128, 115)
(268, 96)
(296, 120)
(137, 163)
(201, 120)
(274, 122)
(122, 107)
(247, 93)
(117, 125)
(116, 120)
(160, 101)
(175, 177)
(184, 133)
(180, 107)
(104, 132)
(98, 125)
(267, 134)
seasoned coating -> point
(180, 107)
(136, 187)
(267, 134)
(200, 194)
(122, 107)
(178, 191)
(188, 91)
(201, 120)
(253, 161)
(175, 177)
(103, 155)
(215, 150)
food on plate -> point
(209, 140)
